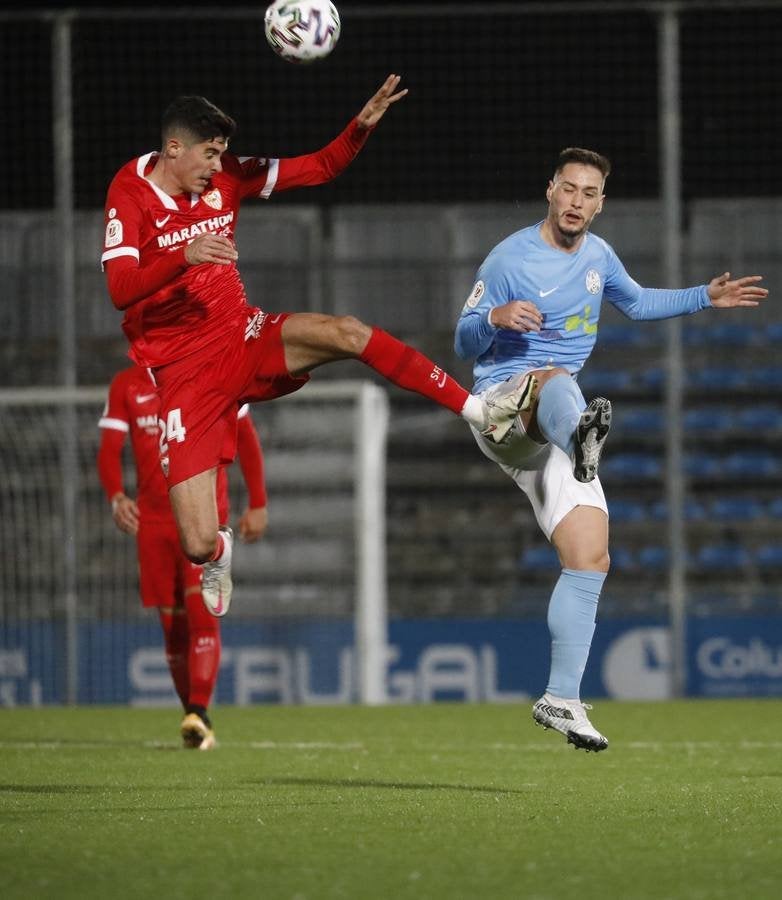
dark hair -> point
(585, 157)
(196, 117)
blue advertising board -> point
(312, 662)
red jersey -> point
(132, 409)
(197, 304)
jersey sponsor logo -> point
(148, 424)
(160, 223)
(185, 235)
(142, 398)
(214, 199)
(573, 323)
(475, 295)
(546, 293)
(593, 283)
(113, 231)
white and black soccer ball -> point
(302, 31)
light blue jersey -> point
(568, 289)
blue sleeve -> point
(474, 333)
(638, 302)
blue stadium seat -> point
(617, 335)
(626, 511)
(723, 557)
(703, 466)
(717, 378)
(653, 558)
(736, 509)
(694, 510)
(623, 559)
(773, 332)
(643, 420)
(605, 381)
(760, 419)
(631, 467)
(775, 508)
(541, 558)
(769, 556)
(765, 378)
(752, 465)
(709, 420)
(726, 334)
(653, 378)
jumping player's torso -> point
(144, 222)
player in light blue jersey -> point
(531, 319)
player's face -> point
(575, 197)
(193, 165)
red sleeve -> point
(324, 164)
(251, 462)
(110, 461)
(128, 283)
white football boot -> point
(503, 402)
(569, 717)
(216, 584)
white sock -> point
(472, 411)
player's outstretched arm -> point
(726, 293)
(376, 106)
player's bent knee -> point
(544, 375)
(351, 334)
(199, 549)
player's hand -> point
(211, 248)
(125, 513)
(518, 315)
(375, 107)
(252, 525)
(726, 293)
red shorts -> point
(165, 573)
(200, 395)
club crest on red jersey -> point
(214, 199)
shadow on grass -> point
(387, 785)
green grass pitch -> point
(441, 801)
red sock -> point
(175, 637)
(204, 652)
(411, 370)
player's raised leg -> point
(566, 420)
(312, 340)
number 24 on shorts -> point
(172, 429)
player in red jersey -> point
(170, 261)
(167, 579)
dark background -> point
(493, 98)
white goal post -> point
(62, 561)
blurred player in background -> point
(532, 318)
(167, 579)
(170, 262)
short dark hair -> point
(197, 117)
(585, 157)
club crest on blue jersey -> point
(593, 283)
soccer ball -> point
(303, 30)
